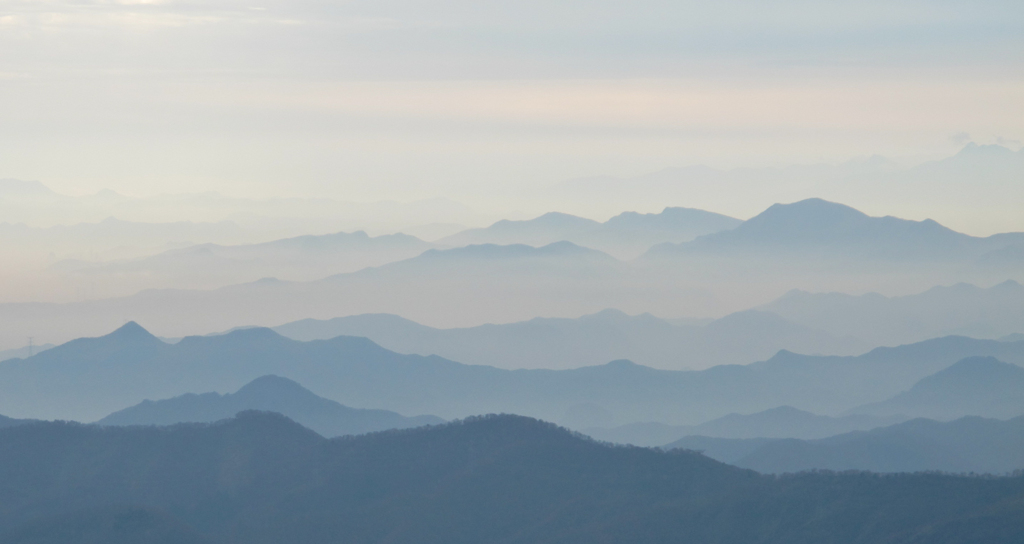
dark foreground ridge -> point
(261, 478)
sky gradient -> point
(484, 101)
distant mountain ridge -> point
(87, 379)
(821, 227)
(112, 239)
(23, 187)
(920, 189)
(976, 386)
(272, 394)
(970, 444)
(21, 353)
(476, 284)
(960, 309)
(780, 422)
(593, 339)
(626, 235)
(435, 286)
(207, 266)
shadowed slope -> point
(260, 478)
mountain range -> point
(33, 203)
(969, 444)
(625, 236)
(986, 204)
(87, 379)
(112, 238)
(973, 386)
(961, 309)
(561, 343)
(443, 288)
(819, 228)
(263, 478)
(208, 266)
(819, 246)
(21, 353)
(781, 422)
(977, 386)
(270, 394)
(476, 284)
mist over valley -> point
(463, 272)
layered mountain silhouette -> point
(827, 229)
(471, 285)
(970, 444)
(626, 235)
(958, 309)
(979, 386)
(843, 250)
(89, 378)
(112, 238)
(547, 229)
(208, 266)
(270, 394)
(781, 422)
(1004, 257)
(593, 339)
(821, 246)
(263, 478)
(271, 218)
(993, 191)
(21, 353)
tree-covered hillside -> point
(261, 478)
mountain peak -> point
(1008, 286)
(972, 368)
(268, 393)
(253, 333)
(815, 225)
(548, 220)
(559, 218)
(812, 210)
(273, 385)
(622, 364)
(19, 187)
(786, 410)
(983, 150)
(132, 331)
(608, 314)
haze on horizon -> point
(493, 104)
(412, 272)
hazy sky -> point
(482, 100)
